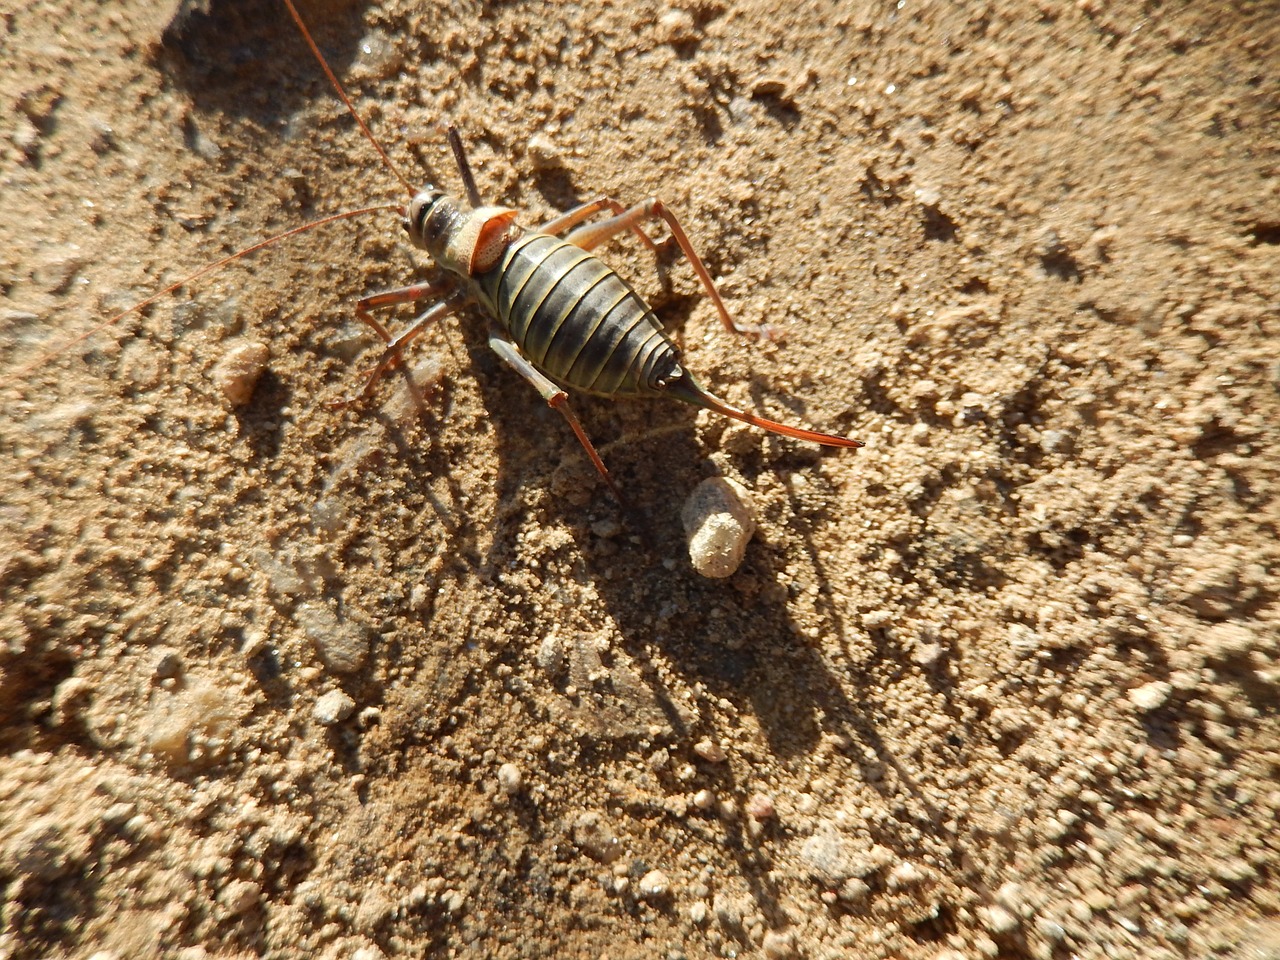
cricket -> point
(557, 314)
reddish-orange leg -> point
(575, 216)
(556, 398)
(592, 235)
(395, 343)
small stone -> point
(167, 663)
(239, 896)
(1056, 441)
(678, 26)
(196, 725)
(718, 522)
(543, 152)
(118, 814)
(343, 646)
(999, 920)
(1235, 870)
(854, 891)
(654, 885)
(928, 197)
(1050, 929)
(510, 779)
(594, 835)
(70, 697)
(729, 911)
(333, 708)
(698, 913)
(238, 371)
(709, 751)
(606, 529)
(1224, 642)
(760, 807)
(779, 945)
(704, 799)
(904, 876)
(1151, 696)
(41, 851)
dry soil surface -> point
(401, 678)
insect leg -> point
(555, 397)
(653, 209)
(391, 298)
(571, 218)
(397, 343)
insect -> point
(559, 316)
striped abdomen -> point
(575, 319)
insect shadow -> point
(217, 51)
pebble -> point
(1151, 696)
(999, 920)
(854, 891)
(239, 896)
(904, 876)
(654, 885)
(678, 26)
(709, 751)
(70, 697)
(594, 835)
(718, 522)
(510, 779)
(729, 911)
(760, 806)
(1224, 642)
(544, 152)
(41, 851)
(779, 945)
(342, 645)
(187, 723)
(333, 708)
(166, 663)
(1050, 929)
(237, 373)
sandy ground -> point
(295, 681)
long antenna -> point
(342, 94)
(464, 168)
(48, 355)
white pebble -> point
(510, 779)
(999, 920)
(678, 26)
(543, 152)
(718, 521)
(654, 885)
(332, 708)
(1151, 696)
(238, 371)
